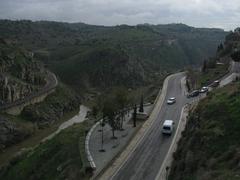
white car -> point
(203, 89)
(171, 100)
(168, 127)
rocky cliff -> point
(20, 74)
(22, 78)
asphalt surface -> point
(146, 160)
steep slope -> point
(209, 147)
(20, 74)
(23, 77)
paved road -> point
(146, 160)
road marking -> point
(158, 177)
(145, 133)
(158, 105)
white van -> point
(167, 127)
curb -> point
(168, 159)
(121, 160)
(89, 156)
(162, 174)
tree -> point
(135, 115)
(204, 67)
(141, 105)
(220, 47)
(109, 111)
(121, 96)
(187, 84)
(236, 56)
(95, 111)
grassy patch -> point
(42, 119)
(58, 158)
(36, 136)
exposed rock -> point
(20, 74)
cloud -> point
(200, 13)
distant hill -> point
(96, 56)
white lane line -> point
(170, 150)
(161, 98)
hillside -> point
(62, 157)
(209, 147)
(215, 67)
(86, 56)
(23, 77)
(20, 74)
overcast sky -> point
(199, 13)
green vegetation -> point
(209, 148)
(59, 158)
(216, 67)
(198, 79)
(86, 56)
(62, 101)
(36, 121)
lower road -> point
(147, 158)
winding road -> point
(147, 158)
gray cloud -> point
(199, 13)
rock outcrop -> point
(20, 74)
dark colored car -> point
(193, 93)
(215, 83)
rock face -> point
(10, 133)
(20, 74)
(22, 78)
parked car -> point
(203, 89)
(193, 93)
(171, 100)
(142, 115)
(215, 83)
(168, 126)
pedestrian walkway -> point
(111, 146)
(80, 117)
